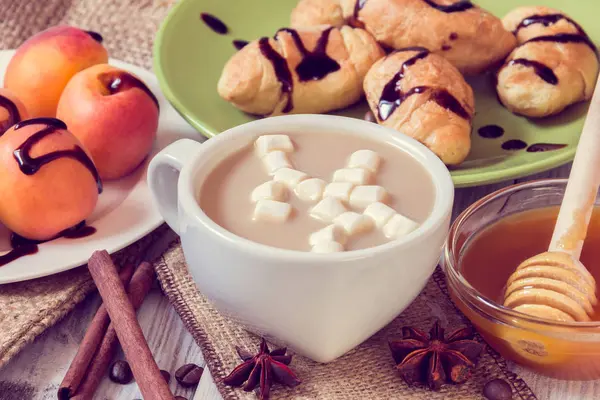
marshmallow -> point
(380, 213)
(357, 176)
(275, 160)
(310, 189)
(399, 226)
(327, 247)
(354, 223)
(363, 196)
(339, 190)
(366, 159)
(289, 177)
(331, 233)
(270, 190)
(268, 143)
(327, 209)
(271, 210)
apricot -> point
(48, 181)
(12, 110)
(114, 114)
(44, 63)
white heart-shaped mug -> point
(320, 305)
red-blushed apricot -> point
(44, 63)
(48, 192)
(114, 115)
(12, 110)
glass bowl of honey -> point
(485, 245)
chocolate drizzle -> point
(214, 23)
(117, 81)
(490, 131)
(316, 64)
(541, 147)
(540, 69)
(392, 96)
(13, 114)
(239, 44)
(30, 165)
(563, 38)
(96, 36)
(282, 71)
(514, 144)
(78, 231)
(357, 7)
(548, 20)
(462, 5)
(18, 250)
(22, 246)
(445, 100)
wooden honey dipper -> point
(555, 284)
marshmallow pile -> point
(350, 189)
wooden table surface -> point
(37, 371)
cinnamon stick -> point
(137, 290)
(93, 336)
(147, 375)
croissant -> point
(424, 96)
(312, 70)
(554, 66)
(470, 37)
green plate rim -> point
(203, 129)
(471, 180)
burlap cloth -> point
(367, 372)
(27, 309)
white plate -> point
(125, 210)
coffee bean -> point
(64, 393)
(497, 389)
(369, 117)
(120, 372)
(188, 375)
(166, 375)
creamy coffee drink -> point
(318, 192)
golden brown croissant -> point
(423, 96)
(312, 70)
(554, 66)
(470, 37)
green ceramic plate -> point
(188, 58)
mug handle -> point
(163, 176)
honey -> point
(493, 254)
(486, 254)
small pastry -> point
(313, 70)
(554, 66)
(424, 96)
(470, 37)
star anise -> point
(435, 359)
(262, 370)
